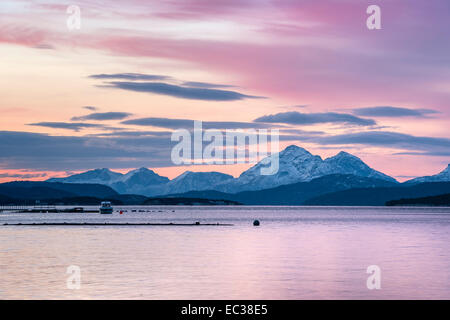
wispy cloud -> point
(130, 76)
(91, 108)
(166, 134)
(425, 145)
(52, 152)
(43, 46)
(103, 116)
(393, 112)
(23, 176)
(169, 123)
(75, 126)
(172, 87)
(152, 149)
(178, 91)
(298, 118)
(206, 85)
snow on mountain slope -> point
(442, 176)
(346, 163)
(296, 165)
(101, 176)
(140, 181)
(189, 181)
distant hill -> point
(57, 193)
(4, 200)
(140, 181)
(379, 196)
(335, 189)
(73, 201)
(293, 194)
(52, 190)
(440, 200)
(188, 202)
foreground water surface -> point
(296, 253)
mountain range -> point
(295, 165)
(302, 179)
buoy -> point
(121, 212)
(256, 223)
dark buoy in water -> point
(256, 223)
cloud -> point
(299, 131)
(187, 90)
(261, 58)
(444, 153)
(130, 76)
(394, 112)
(132, 134)
(92, 108)
(45, 152)
(43, 46)
(103, 116)
(168, 123)
(152, 149)
(23, 176)
(296, 118)
(178, 91)
(75, 126)
(428, 145)
(206, 85)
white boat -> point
(106, 208)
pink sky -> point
(311, 57)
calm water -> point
(296, 253)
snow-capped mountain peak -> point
(346, 163)
(295, 151)
(296, 165)
(343, 155)
(144, 176)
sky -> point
(111, 92)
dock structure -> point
(13, 208)
(115, 224)
(44, 209)
(38, 207)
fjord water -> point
(296, 253)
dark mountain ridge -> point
(41, 189)
(293, 194)
(379, 196)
